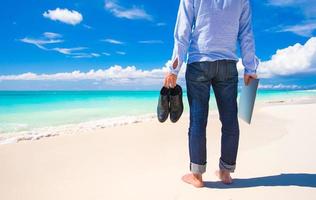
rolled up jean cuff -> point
(197, 169)
(225, 166)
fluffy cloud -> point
(127, 13)
(71, 17)
(112, 73)
(291, 60)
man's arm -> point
(182, 35)
(246, 40)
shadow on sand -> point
(301, 180)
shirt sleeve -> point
(182, 35)
(246, 39)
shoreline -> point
(89, 126)
(97, 125)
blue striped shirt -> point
(208, 30)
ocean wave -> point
(38, 133)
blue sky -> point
(124, 44)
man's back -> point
(208, 30)
(215, 29)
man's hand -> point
(248, 77)
(170, 80)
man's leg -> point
(198, 92)
(225, 86)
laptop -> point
(247, 100)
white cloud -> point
(291, 60)
(71, 17)
(95, 55)
(151, 42)
(86, 55)
(112, 41)
(113, 73)
(305, 29)
(127, 13)
(49, 38)
(52, 35)
(75, 52)
(39, 43)
(121, 53)
(68, 51)
(52, 38)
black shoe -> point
(163, 105)
(176, 103)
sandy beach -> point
(146, 160)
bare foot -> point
(224, 176)
(193, 179)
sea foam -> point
(84, 127)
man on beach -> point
(206, 33)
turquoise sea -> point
(23, 111)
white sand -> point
(276, 160)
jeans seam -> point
(227, 75)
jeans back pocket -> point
(197, 71)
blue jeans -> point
(222, 75)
